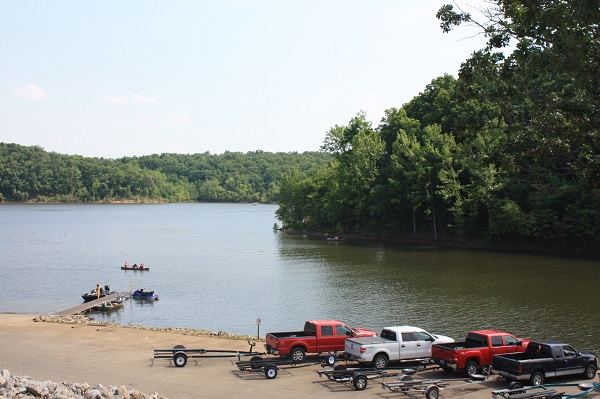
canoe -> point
(143, 269)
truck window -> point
(557, 352)
(568, 351)
(388, 334)
(407, 337)
(341, 329)
(476, 339)
(497, 340)
(510, 340)
(326, 331)
(423, 336)
(310, 328)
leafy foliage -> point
(32, 174)
(508, 153)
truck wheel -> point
(590, 371)
(537, 378)
(180, 359)
(270, 372)
(432, 392)
(471, 368)
(360, 382)
(297, 354)
(380, 361)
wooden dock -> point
(84, 307)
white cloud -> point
(116, 100)
(30, 92)
(180, 118)
(145, 99)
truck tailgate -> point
(353, 345)
(504, 363)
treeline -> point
(33, 174)
(507, 154)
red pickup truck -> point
(318, 336)
(476, 351)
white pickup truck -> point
(402, 343)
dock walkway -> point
(88, 305)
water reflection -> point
(453, 291)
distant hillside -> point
(35, 175)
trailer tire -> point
(590, 372)
(331, 360)
(537, 378)
(380, 361)
(432, 392)
(180, 359)
(360, 382)
(270, 372)
(297, 354)
(514, 385)
(471, 368)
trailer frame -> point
(179, 354)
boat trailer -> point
(406, 384)
(357, 377)
(270, 367)
(544, 391)
(180, 354)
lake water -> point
(222, 266)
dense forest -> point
(507, 154)
(33, 174)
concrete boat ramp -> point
(84, 307)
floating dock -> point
(84, 307)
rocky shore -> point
(17, 387)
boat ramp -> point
(84, 307)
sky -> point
(138, 77)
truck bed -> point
(292, 334)
(460, 345)
(370, 340)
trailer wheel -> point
(180, 359)
(297, 354)
(270, 372)
(514, 385)
(380, 361)
(537, 378)
(432, 392)
(360, 382)
(590, 371)
(331, 360)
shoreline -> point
(118, 356)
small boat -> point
(141, 294)
(93, 294)
(108, 306)
(135, 267)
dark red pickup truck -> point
(318, 336)
(476, 351)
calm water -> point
(222, 266)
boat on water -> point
(96, 293)
(141, 294)
(134, 267)
(108, 306)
